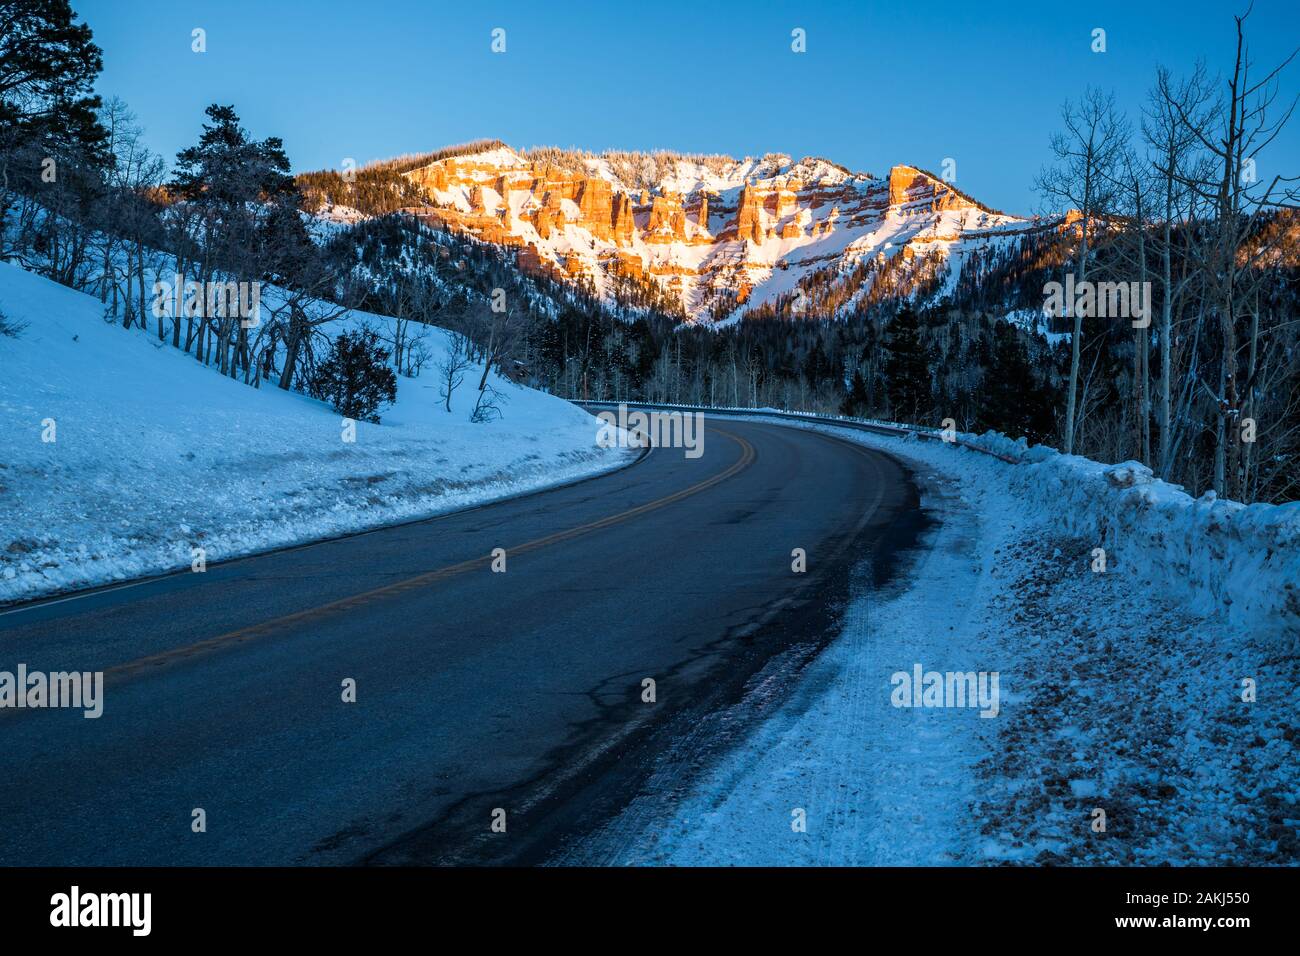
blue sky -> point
(880, 83)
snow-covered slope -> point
(154, 455)
(717, 236)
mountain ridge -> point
(710, 236)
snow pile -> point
(154, 455)
(1218, 556)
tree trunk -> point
(139, 259)
(1143, 352)
(292, 344)
(1166, 349)
(1076, 339)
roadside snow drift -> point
(1219, 557)
(120, 456)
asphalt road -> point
(475, 690)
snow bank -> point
(1218, 556)
(154, 455)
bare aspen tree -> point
(1087, 154)
(452, 367)
(1171, 150)
(129, 218)
(1229, 252)
(1131, 256)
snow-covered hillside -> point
(714, 235)
(120, 455)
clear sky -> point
(880, 83)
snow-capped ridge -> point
(715, 235)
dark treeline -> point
(913, 366)
(918, 366)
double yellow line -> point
(133, 668)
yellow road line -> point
(245, 634)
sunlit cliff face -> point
(714, 235)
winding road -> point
(475, 690)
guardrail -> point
(841, 421)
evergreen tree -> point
(907, 373)
(355, 377)
(48, 66)
(1014, 402)
(856, 401)
(236, 182)
(228, 169)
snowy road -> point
(475, 691)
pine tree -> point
(1013, 400)
(355, 377)
(48, 66)
(907, 372)
(856, 401)
(234, 181)
(227, 169)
